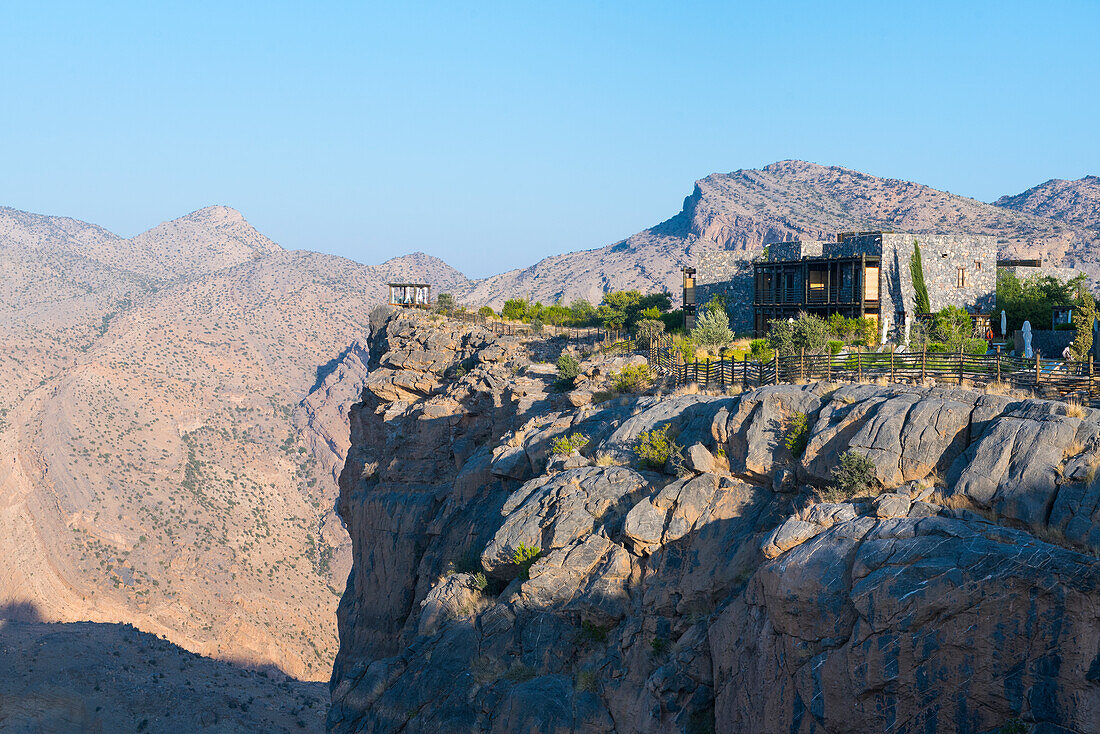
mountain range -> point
(747, 209)
(173, 406)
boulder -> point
(1015, 467)
(550, 512)
(788, 535)
(757, 423)
(590, 576)
(458, 596)
(698, 459)
(511, 462)
(907, 432)
(891, 504)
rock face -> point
(499, 588)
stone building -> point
(859, 274)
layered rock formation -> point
(500, 587)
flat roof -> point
(409, 285)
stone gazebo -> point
(410, 295)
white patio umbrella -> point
(1004, 324)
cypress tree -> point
(916, 270)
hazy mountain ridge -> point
(169, 453)
(749, 208)
(1073, 202)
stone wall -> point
(796, 249)
(727, 274)
(941, 258)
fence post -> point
(1090, 378)
(802, 363)
(999, 363)
(829, 366)
(891, 366)
(960, 365)
(924, 363)
(859, 365)
(775, 365)
(1037, 370)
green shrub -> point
(658, 646)
(514, 309)
(835, 346)
(975, 346)
(586, 681)
(760, 351)
(568, 368)
(480, 581)
(647, 331)
(486, 313)
(565, 445)
(445, 303)
(712, 328)
(591, 632)
(854, 476)
(797, 435)
(952, 325)
(655, 448)
(536, 325)
(632, 378)
(808, 332)
(525, 556)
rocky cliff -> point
(719, 592)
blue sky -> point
(494, 134)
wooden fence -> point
(1056, 378)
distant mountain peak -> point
(1073, 202)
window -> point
(870, 283)
(960, 278)
(977, 264)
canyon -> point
(174, 425)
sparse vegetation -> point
(854, 476)
(605, 459)
(568, 369)
(797, 434)
(566, 445)
(659, 646)
(525, 556)
(632, 378)
(656, 448)
(586, 681)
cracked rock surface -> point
(961, 595)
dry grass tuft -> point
(1074, 449)
(1074, 409)
(605, 459)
